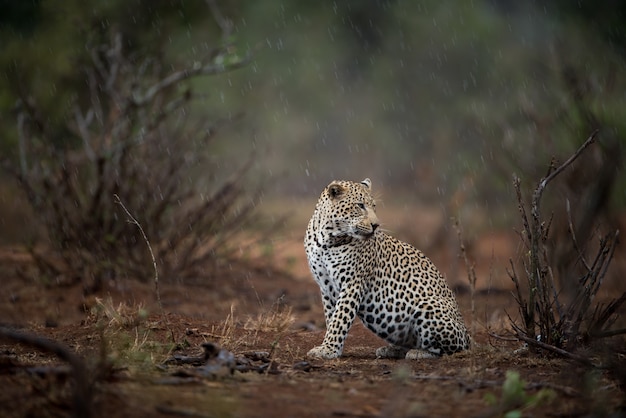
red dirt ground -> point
(125, 341)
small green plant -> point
(514, 398)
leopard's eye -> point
(361, 205)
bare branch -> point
(197, 69)
(570, 225)
(544, 182)
(145, 238)
(520, 205)
(471, 271)
(534, 342)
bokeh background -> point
(438, 102)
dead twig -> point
(133, 220)
(556, 350)
(471, 271)
(537, 233)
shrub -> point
(130, 135)
(553, 319)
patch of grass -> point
(233, 335)
(127, 337)
(225, 333)
(120, 316)
(277, 319)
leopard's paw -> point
(391, 351)
(417, 354)
(322, 352)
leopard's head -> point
(348, 209)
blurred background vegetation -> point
(441, 101)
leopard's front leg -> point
(337, 328)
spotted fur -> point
(392, 287)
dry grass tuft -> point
(121, 316)
(277, 319)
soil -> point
(135, 353)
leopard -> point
(392, 287)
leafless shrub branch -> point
(469, 266)
(130, 137)
(549, 322)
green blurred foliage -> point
(435, 97)
(46, 45)
(431, 96)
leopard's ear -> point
(367, 183)
(335, 190)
